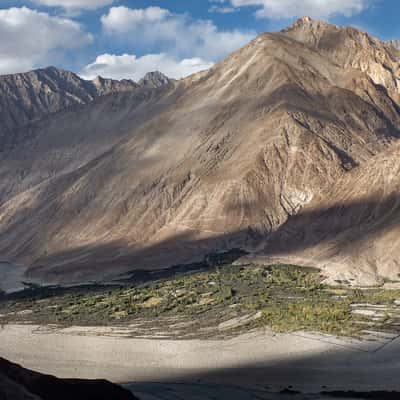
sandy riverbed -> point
(258, 359)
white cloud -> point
(175, 34)
(221, 7)
(296, 8)
(221, 10)
(181, 45)
(29, 37)
(122, 19)
(75, 4)
(129, 66)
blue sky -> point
(126, 38)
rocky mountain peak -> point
(350, 48)
(105, 86)
(304, 22)
(309, 27)
(154, 80)
(98, 81)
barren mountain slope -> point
(353, 233)
(30, 96)
(66, 141)
(228, 157)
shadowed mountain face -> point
(162, 175)
(17, 383)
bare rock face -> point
(350, 47)
(223, 159)
(108, 86)
(351, 234)
(18, 383)
(154, 80)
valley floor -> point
(232, 332)
(219, 303)
(260, 360)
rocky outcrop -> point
(17, 383)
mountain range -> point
(287, 149)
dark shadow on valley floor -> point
(338, 374)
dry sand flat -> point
(258, 360)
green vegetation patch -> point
(283, 297)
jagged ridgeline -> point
(31, 96)
(286, 149)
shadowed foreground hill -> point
(17, 383)
(221, 159)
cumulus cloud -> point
(75, 4)
(295, 8)
(122, 19)
(184, 45)
(176, 34)
(29, 38)
(128, 66)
